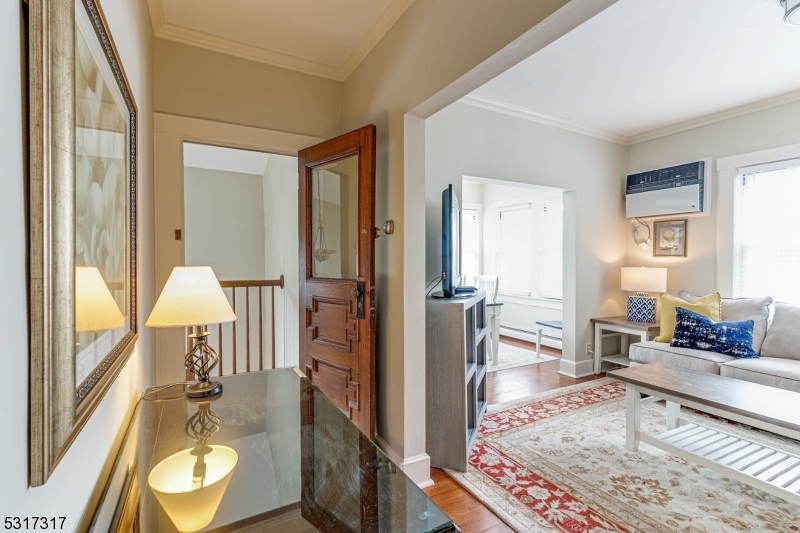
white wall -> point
(224, 222)
(707, 236)
(463, 140)
(68, 490)
(281, 252)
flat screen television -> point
(451, 242)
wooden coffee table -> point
(764, 467)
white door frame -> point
(171, 131)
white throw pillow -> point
(783, 338)
(736, 309)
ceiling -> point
(226, 159)
(326, 38)
(643, 69)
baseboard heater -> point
(547, 340)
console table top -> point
(300, 462)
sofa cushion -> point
(738, 309)
(707, 306)
(783, 337)
(693, 330)
(772, 371)
(654, 352)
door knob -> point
(388, 227)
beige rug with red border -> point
(557, 463)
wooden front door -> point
(337, 271)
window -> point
(767, 250)
(470, 245)
(514, 257)
(551, 239)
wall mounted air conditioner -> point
(681, 189)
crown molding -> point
(686, 125)
(521, 112)
(714, 117)
(390, 15)
(381, 27)
(245, 51)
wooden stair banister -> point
(247, 286)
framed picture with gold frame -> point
(670, 238)
(82, 227)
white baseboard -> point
(417, 468)
(529, 337)
(576, 369)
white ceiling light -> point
(791, 11)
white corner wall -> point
(68, 490)
(709, 236)
(281, 253)
(465, 140)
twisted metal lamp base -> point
(200, 360)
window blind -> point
(514, 258)
(767, 237)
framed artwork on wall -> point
(82, 227)
(670, 238)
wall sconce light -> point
(642, 242)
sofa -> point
(776, 338)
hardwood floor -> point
(468, 513)
(523, 381)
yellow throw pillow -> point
(708, 306)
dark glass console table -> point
(271, 453)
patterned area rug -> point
(511, 356)
(558, 463)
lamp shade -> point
(190, 505)
(95, 308)
(192, 296)
(641, 279)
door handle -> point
(358, 294)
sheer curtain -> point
(551, 239)
(470, 245)
(768, 236)
(514, 259)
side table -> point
(619, 326)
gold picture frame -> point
(670, 238)
(82, 213)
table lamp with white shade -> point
(193, 297)
(643, 280)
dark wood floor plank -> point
(508, 385)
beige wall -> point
(195, 82)
(68, 490)
(435, 53)
(709, 235)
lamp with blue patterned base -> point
(641, 307)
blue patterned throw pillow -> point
(695, 331)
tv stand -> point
(455, 376)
